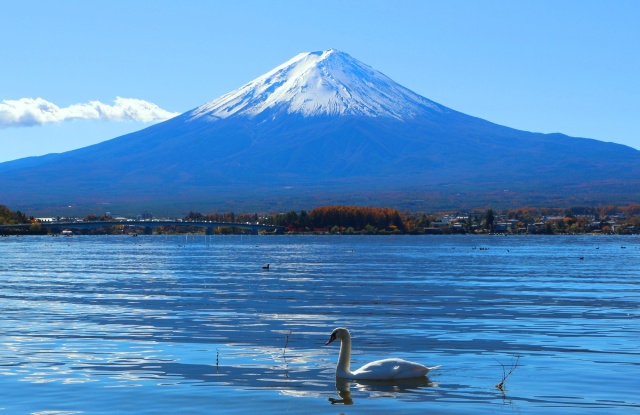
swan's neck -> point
(344, 361)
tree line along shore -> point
(375, 221)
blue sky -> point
(111, 67)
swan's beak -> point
(331, 339)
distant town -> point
(347, 220)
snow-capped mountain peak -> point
(320, 83)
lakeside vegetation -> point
(379, 221)
(351, 219)
(7, 217)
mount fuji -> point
(323, 128)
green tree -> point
(36, 228)
(489, 220)
(370, 230)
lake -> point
(194, 324)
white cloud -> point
(26, 112)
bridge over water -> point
(146, 224)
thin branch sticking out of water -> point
(286, 342)
(505, 374)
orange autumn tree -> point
(356, 217)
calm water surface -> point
(194, 325)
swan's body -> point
(386, 369)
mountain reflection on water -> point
(107, 325)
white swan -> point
(386, 369)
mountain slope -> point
(324, 128)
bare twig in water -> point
(505, 374)
(217, 355)
(286, 342)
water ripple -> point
(87, 321)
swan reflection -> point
(378, 388)
(344, 392)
